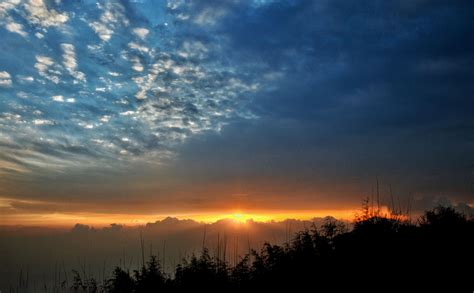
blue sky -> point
(191, 105)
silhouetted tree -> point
(150, 277)
(379, 254)
(121, 282)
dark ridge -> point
(381, 253)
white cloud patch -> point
(42, 122)
(209, 16)
(7, 21)
(193, 49)
(61, 99)
(144, 84)
(128, 113)
(182, 16)
(105, 118)
(25, 79)
(69, 57)
(39, 14)
(7, 5)
(174, 4)
(16, 28)
(138, 47)
(140, 32)
(112, 17)
(47, 61)
(102, 30)
(5, 79)
(70, 62)
(137, 65)
(147, 82)
(47, 68)
(58, 98)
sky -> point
(131, 111)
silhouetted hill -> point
(380, 254)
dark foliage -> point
(380, 254)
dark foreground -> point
(380, 254)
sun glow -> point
(98, 219)
(101, 220)
(238, 217)
(242, 218)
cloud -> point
(102, 31)
(7, 21)
(111, 18)
(47, 68)
(58, 98)
(140, 48)
(69, 61)
(42, 122)
(209, 16)
(141, 32)
(40, 14)
(5, 79)
(429, 202)
(16, 28)
(6, 6)
(137, 65)
(193, 49)
(61, 99)
(9, 4)
(25, 79)
(46, 61)
(167, 96)
(69, 57)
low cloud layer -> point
(47, 254)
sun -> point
(239, 217)
(242, 218)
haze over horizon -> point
(131, 111)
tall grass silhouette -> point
(381, 253)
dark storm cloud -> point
(360, 89)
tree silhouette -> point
(121, 282)
(379, 254)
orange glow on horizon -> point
(67, 220)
